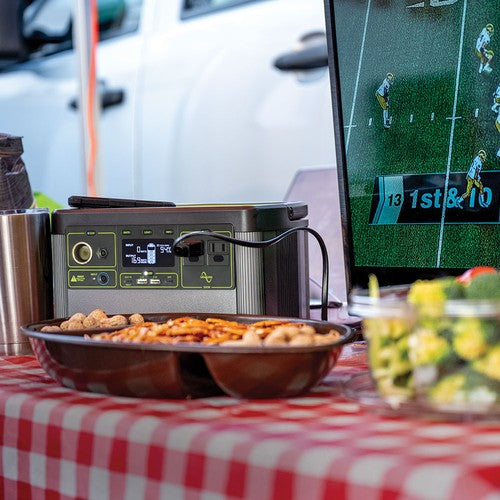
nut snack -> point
(95, 319)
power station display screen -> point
(147, 252)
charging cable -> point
(185, 246)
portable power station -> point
(121, 260)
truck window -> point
(192, 8)
(47, 24)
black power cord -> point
(184, 247)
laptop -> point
(318, 187)
(417, 137)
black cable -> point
(183, 251)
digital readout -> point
(156, 253)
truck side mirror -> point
(27, 25)
(47, 22)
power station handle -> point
(96, 202)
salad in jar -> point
(436, 341)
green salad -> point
(442, 344)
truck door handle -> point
(307, 58)
(109, 98)
(112, 97)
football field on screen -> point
(440, 108)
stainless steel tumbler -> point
(25, 275)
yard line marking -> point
(411, 118)
(453, 118)
(416, 5)
(361, 51)
(476, 113)
(350, 126)
(370, 121)
(432, 116)
(452, 133)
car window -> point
(191, 8)
(47, 24)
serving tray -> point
(185, 370)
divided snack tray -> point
(185, 370)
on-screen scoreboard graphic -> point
(418, 81)
(420, 199)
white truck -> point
(202, 100)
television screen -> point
(416, 102)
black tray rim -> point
(76, 337)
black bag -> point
(15, 187)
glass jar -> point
(443, 354)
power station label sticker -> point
(91, 279)
(420, 199)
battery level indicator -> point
(151, 253)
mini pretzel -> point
(219, 331)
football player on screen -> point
(496, 100)
(382, 95)
(474, 179)
(497, 125)
(485, 54)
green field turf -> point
(422, 47)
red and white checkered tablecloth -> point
(60, 443)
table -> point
(60, 443)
